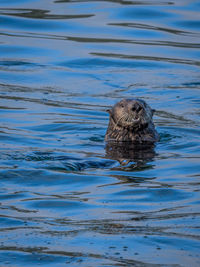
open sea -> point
(63, 199)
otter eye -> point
(122, 105)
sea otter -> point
(131, 122)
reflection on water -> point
(66, 197)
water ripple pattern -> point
(63, 200)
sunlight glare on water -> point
(63, 200)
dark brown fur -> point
(131, 121)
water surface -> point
(63, 201)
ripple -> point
(39, 14)
(147, 58)
(57, 204)
(159, 195)
(190, 24)
(151, 27)
(98, 63)
(18, 65)
(144, 13)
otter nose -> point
(136, 107)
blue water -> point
(63, 200)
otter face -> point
(131, 113)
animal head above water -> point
(131, 120)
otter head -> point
(131, 113)
(131, 121)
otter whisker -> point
(116, 123)
(127, 118)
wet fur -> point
(131, 121)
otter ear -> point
(109, 111)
